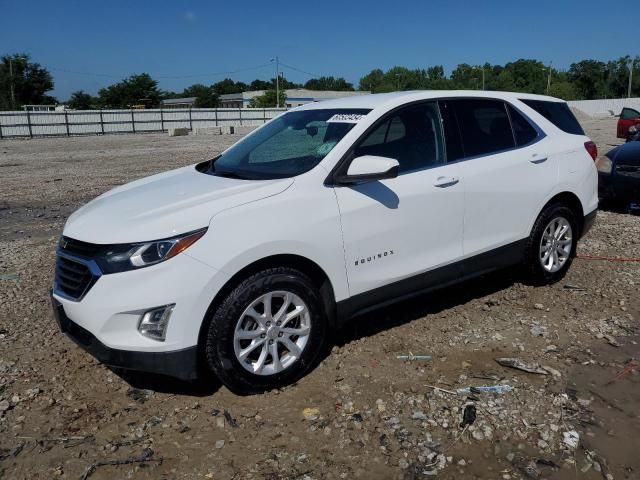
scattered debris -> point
(571, 439)
(469, 415)
(611, 341)
(146, 457)
(11, 452)
(311, 413)
(575, 288)
(412, 357)
(520, 365)
(552, 371)
(230, 420)
(10, 277)
(538, 331)
(139, 395)
(499, 389)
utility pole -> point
(13, 96)
(277, 84)
(549, 78)
(483, 84)
(630, 78)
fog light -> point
(154, 322)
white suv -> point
(241, 265)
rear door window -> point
(484, 126)
(522, 129)
(557, 113)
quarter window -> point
(412, 136)
(557, 113)
(484, 126)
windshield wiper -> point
(229, 174)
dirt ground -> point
(372, 416)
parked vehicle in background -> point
(634, 133)
(242, 265)
(619, 174)
(629, 117)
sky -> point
(90, 44)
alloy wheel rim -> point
(272, 333)
(556, 244)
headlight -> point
(604, 165)
(120, 258)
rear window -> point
(557, 113)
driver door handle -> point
(443, 182)
(535, 159)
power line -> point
(299, 70)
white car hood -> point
(164, 205)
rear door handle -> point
(443, 182)
(537, 160)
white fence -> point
(101, 122)
(603, 108)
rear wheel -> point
(267, 332)
(552, 244)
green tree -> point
(206, 97)
(227, 86)
(81, 100)
(328, 83)
(260, 85)
(590, 78)
(373, 81)
(138, 89)
(29, 80)
(267, 100)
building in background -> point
(294, 97)
(187, 102)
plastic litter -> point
(520, 365)
(469, 415)
(499, 389)
(311, 413)
(411, 357)
(571, 439)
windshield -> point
(291, 144)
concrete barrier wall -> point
(99, 122)
(603, 108)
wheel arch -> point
(298, 262)
(572, 201)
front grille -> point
(76, 247)
(73, 278)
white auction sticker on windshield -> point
(346, 118)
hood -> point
(164, 205)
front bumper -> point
(619, 187)
(182, 364)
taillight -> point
(591, 149)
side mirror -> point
(368, 168)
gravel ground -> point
(362, 413)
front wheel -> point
(552, 244)
(267, 332)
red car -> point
(628, 118)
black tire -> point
(219, 338)
(536, 274)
